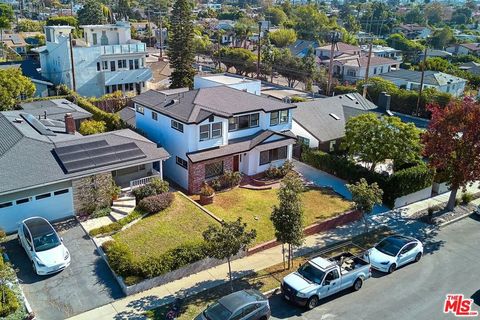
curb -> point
(455, 220)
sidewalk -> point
(133, 306)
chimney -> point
(384, 100)
(69, 124)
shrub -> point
(342, 89)
(102, 212)
(120, 258)
(112, 121)
(144, 191)
(160, 186)
(228, 179)
(89, 127)
(279, 172)
(157, 203)
(216, 184)
(10, 304)
(467, 197)
(296, 99)
(109, 228)
(206, 190)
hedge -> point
(122, 261)
(400, 183)
(116, 226)
(112, 120)
(11, 303)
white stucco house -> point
(383, 52)
(410, 80)
(353, 68)
(211, 130)
(47, 165)
(104, 61)
(221, 79)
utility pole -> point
(368, 70)
(161, 37)
(334, 37)
(259, 46)
(149, 26)
(420, 90)
(74, 86)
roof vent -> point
(334, 116)
(18, 120)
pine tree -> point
(181, 51)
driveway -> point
(86, 284)
(416, 291)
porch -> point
(136, 176)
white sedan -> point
(395, 251)
(43, 246)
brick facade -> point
(196, 172)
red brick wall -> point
(196, 172)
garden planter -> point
(206, 199)
(264, 182)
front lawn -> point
(255, 208)
(264, 280)
(182, 223)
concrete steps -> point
(122, 207)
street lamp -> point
(334, 37)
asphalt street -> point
(416, 291)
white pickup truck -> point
(319, 278)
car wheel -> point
(392, 268)
(312, 302)
(263, 318)
(418, 257)
(357, 285)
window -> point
(107, 89)
(213, 169)
(273, 155)
(5, 205)
(181, 162)
(140, 109)
(249, 309)
(177, 125)
(114, 87)
(130, 64)
(98, 66)
(105, 65)
(278, 117)
(122, 64)
(24, 200)
(136, 64)
(243, 122)
(332, 145)
(216, 130)
(43, 196)
(154, 116)
(303, 141)
(112, 66)
(374, 70)
(204, 132)
(59, 192)
(351, 73)
(94, 38)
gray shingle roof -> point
(195, 106)
(243, 144)
(55, 109)
(30, 161)
(435, 78)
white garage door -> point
(54, 205)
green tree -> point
(434, 13)
(442, 38)
(13, 86)
(415, 15)
(376, 85)
(228, 240)
(89, 127)
(372, 139)
(91, 13)
(27, 25)
(462, 15)
(181, 50)
(7, 16)
(309, 22)
(243, 60)
(287, 217)
(275, 15)
(399, 42)
(243, 29)
(283, 37)
(62, 21)
(365, 196)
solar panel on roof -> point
(90, 155)
(37, 125)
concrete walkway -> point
(132, 307)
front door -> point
(236, 163)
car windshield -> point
(46, 241)
(311, 273)
(216, 312)
(390, 246)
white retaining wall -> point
(413, 197)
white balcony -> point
(123, 48)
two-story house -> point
(354, 68)
(106, 60)
(383, 52)
(211, 130)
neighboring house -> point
(15, 42)
(465, 48)
(340, 49)
(433, 53)
(48, 166)
(211, 130)
(410, 80)
(29, 69)
(236, 82)
(413, 31)
(107, 60)
(320, 124)
(142, 27)
(472, 67)
(301, 47)
(364, 37)
(383, 52)
(32, 38)
(56, 109)
(354, 68)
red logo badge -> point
(459, 306)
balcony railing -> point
(145, 180)
(124, 48)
